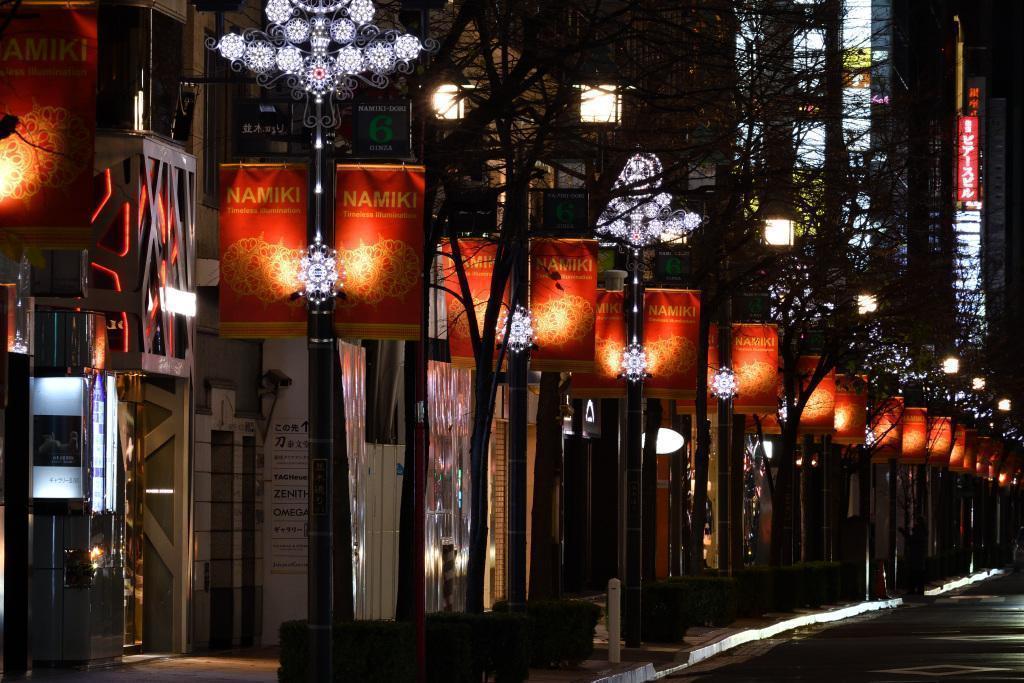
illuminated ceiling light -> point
(643, 215)
(866, 303)
(978, 383)
(724, 385)
(319, 273)
(668, 441)
(177, 301)
(1004, 405)
(768, 447)
(634, 363)
(520, 330)
(323, 48)
(951, 365)
(447, 102)
(600, 104)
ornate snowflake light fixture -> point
(723, 384)
(634, 363)
(520, 330)
(644, 216)
(322, 48)
(319, 273)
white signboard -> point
(288, 447)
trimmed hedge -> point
(852, 581)
(822, 583)
(789, 589)
(561, 631)
(755, 591)
(370, 651)
(461, 648)
(669, 607)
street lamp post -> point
(321, 51)
(642, 216)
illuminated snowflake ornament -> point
(323, 49)
(723, 384)
(520, 330)
(643, 215)
(634, 363)
(319, 273)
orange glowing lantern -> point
(915, 436)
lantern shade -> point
(940, 441)
(818, 416)
(887, 430)
(915, 436)
(956, 453)
(851, 405)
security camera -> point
(276, 378)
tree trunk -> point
(544, 564)
(782, 501)
(650, 489)
(698, 517)
(478, 462)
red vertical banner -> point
(970, 452)
(262, 240)
(755, 360)
(563, 294)
(983, 456)
(886, 436)
(957, 451)
(478, 261)
(48, 81)
(671, 326)
(819, 413)
(610, 333)
(940, 441)
(378, 232)
(967, 159)
(851, 407)
(915, 436)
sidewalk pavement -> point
(658, 660)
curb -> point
(750, 635)
(965, 581)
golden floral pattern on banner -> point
(671, 356)
(54, 151)
(609, 357)
(757, 378)
(819, 405)
(375, 272)
(458, 321)
(254, 267)
(562, 320)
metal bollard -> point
(614, 621)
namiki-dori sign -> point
(967, 160)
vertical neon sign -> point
(967, 160)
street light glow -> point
(866, 303)
(951, 365)
(778, 232)
(448, 105)
(668, 441)
(600, 104)
(978, 383)
(1004, 405)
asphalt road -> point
(974, 634)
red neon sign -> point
(967, 160)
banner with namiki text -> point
(755, 360)
(818, 416)
(851, 406)
(48, 81)
(671, 326)
(262, 241)
(915, 436)
(378, 232)
(610, 333)
(478, 257)
(563, 293)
